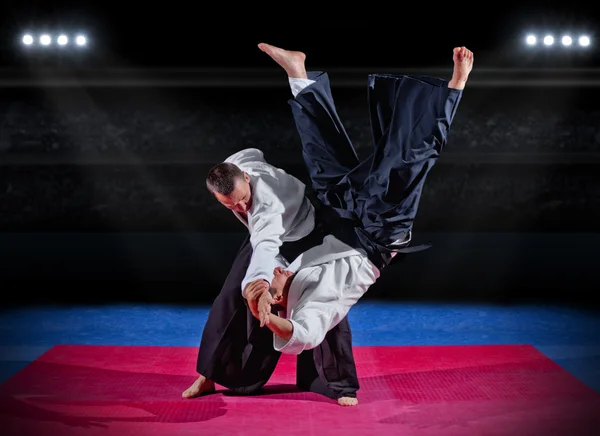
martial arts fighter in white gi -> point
(374, 201)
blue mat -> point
(569, 336)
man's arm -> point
(266, 239)
(278, 197)
(295, 335)
(281, 327)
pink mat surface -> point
(443, 390)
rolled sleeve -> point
(310, 326)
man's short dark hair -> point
(222, 177)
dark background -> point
(182, 34)
(103, 150)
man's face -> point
(240, 199)
(280, 285)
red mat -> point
(450, 390)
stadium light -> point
(584, 41)
(567, 40)
(548, 40)
(45, 39)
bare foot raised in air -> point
(291, 61)
(463, 64)
(347, 401)
(201, 386)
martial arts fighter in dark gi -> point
(374, 202)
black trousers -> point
(237, 353)
(410, 121)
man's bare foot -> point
(463, 64)
(291, 61)
(201, 386)
(347, 401)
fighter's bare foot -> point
(291, 61)
(347, 401)
(201, 386)
(463, 64)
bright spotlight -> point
(27, 39)
(548, 40)
(62, 40)
(584, 41)
(531, 40)
(80, 40)
(567, 40)
(45, 39)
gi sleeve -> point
(266, 238)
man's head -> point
(230, 186)
(280, 286)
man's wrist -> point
(245, 291)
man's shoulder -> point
(247, 157)
(252, 161)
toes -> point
(345, 401)
(463, 54)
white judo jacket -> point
(329, 280)
(279, 212)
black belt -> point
(348, 230)
(404, 246)
(415, 249)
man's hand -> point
(264, 308)
(253, 292)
